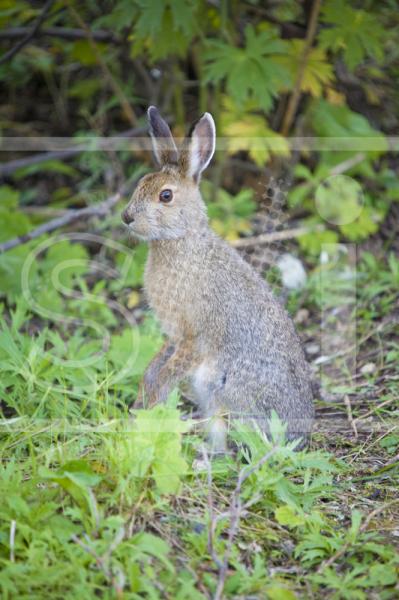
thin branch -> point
(99, 559)
(296, 94)
(360, 418)
(66, 33)
(212, 517)
(115, 577)
(275, 236)
(349, 413)
(13, 165)
(236, 511)
(347, 164)
(152, 86)
(31, 34)
(97, 210)
(20, 163)
(13, 529)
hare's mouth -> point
(136, 234)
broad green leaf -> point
(286, 515)
(355, 32)
(313, 242)
(250, 132)
(318, 72)
(165, 27)
(75, 477)
(252, 72)
(279, 592)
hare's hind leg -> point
(174, 366)
(151, 375)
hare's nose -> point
(127, 217)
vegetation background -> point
(95, 503)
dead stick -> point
(32, 32)
(97, 210)
(235, 513)
(66, 33)
(275, 236)
(350, 415)
(296, 94)
(13, 165)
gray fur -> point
(228, 336)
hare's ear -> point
(199, 147)
(164, 147)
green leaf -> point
(356, 33)
(278, 592)
(365, 225)
(252, 72)
(64, 262)
(157, 442)
(9, 198)
(318, 73)
(78, 471)
(332, 120)
(313, 242)
(128, 343)
(166, 27)
(83, 51)
(131, 268)
(85, 88)
(286, 515)
(250, 132)
(75, 477)
(381, 575)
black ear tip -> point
(152, 112)
(205, 121)
(207, 117)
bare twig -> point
(99, 559)
(212, 517)
(347, 164)
(151, 86)
(97, 210)
(117, 579)
(275, 236)
(296, 94)
(31, 34)
(375, 409)
(13, 165)
(13, 528)
(66, 33)
(236, 511)
(350, 415)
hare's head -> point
(167, 204)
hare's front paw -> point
(149, 395)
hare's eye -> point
(166, 196)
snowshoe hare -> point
(227, 335)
